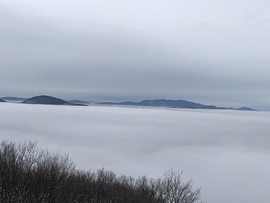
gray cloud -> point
(213, 56)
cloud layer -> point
(224, 152)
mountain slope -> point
(173, 104)
(43, 99)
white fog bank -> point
(226, 153)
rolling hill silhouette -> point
(173, 104)
(44, 99)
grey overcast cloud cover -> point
(212, 52)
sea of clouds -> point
(225, 152)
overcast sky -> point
(212, 52)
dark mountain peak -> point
(1, 100)
(44, 99)
(245, 109)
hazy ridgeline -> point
(29, 175)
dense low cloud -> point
(213, 53)
(224, 152)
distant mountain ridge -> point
(78, 102)
(15, 99)
(245, 109)
(173, 104)
(44, 99)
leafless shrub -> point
(174, 190)
(31, 175)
